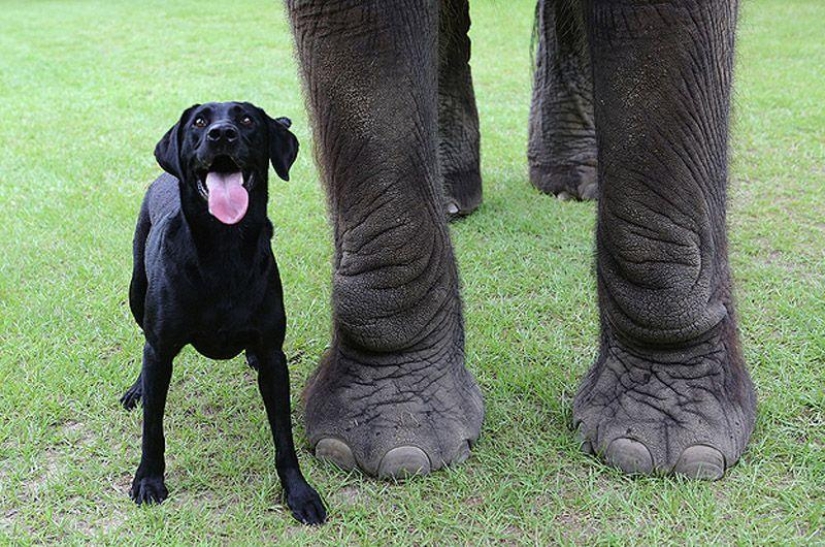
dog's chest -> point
(225, 344)
(231, 316)
(229, 326)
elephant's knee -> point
(661, 280)
(396, 307)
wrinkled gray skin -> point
(562, 148)
(631, 94)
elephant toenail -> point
(589, 191)
(701, 462)
(461, 454)
(584, 443)
(403, 462)
(564, 196)
(630, 456)
(452, 208)
(335, 451)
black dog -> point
(204, 274)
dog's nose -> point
(222, 132)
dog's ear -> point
(283, 146)
(167, 151)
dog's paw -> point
(306, 505)
(130, 399)
(148, 490)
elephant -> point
(630, 105)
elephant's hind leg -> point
(562, 147)
(669, 391)
(458, 136)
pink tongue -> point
(228, 198)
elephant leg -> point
(562, 136)
(392, 395)
(669, 391)
(458, 136)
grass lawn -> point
(87, 89)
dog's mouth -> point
(225, 190)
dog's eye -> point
(199, 122)
(246, 120)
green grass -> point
(86, 90)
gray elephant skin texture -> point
(630, 105)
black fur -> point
(200, 281)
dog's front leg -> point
(273, 381)
(148, 486)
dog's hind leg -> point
(130, 399)
(139, 284)
(252, 360)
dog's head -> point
(220, 152)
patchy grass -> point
(86, 90)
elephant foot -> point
(666, 412)
(462, 194)
(566, 182)
(392, 421)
